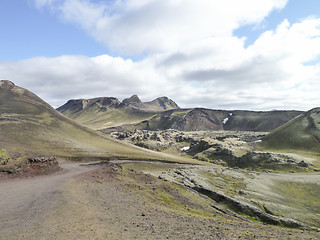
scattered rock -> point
(302, 164)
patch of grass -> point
(94, 118)
(304, 197)
(179, 200)
(167, 196)
(4, 154)
(228, 184)
(143, 166)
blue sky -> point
(29, 32)
(294, 11)
(193, 53)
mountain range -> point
(103, 112)
(108, 114)
(29, 126)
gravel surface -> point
(110, 202)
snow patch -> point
(257, 141)
(224, 121)
(185, 149)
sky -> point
(230, 54)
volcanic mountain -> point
(31, 127)
(106, 112)
(300, 134)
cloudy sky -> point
(220, 54)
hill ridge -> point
(300, 134)
(30, 127)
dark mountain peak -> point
(162, 104)
(164, 98)
(132, 99)
(77, 105)
(166, 103)
(73, 104)
(105, 101)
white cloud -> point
(192, 56)
(59, 79)
(135, 27)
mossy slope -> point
(300, 134)
(30, 126)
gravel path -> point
(113, 203)
(23, 201)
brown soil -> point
(30, 168)
(111, 202)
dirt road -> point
(23, 200)
(115, 202)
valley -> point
(108, 169)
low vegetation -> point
(29, 127)
(228, 177)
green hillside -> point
(300, 134)
(31, 127)
(259, 121)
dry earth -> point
(114, 202)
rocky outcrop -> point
(233, 149)
(157, 105)
(154, 140)
(250, 210)
(134, 101)
(30, 167)
(192, 177)
(41, 165)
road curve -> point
(25, 201)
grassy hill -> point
(259, 121)
(300, 134)
(31, 127)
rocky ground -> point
(267, 197)
(222, 199)
(226, 148)
(118, 202)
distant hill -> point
(31, 127)
(302, 134)
(157, 105)
(109, 113)
(106, 112)
(200, 119)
